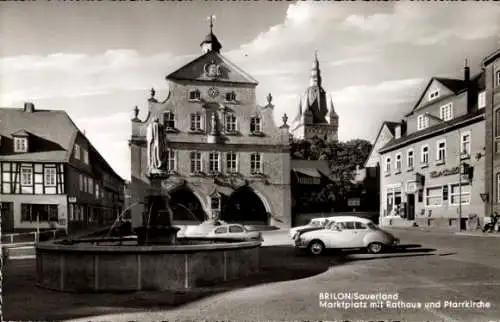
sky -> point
(99, 59)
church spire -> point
(315, 79)
(211, 43)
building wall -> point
(407, 177)
(492, 141)
(17, 200)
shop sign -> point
(446, 172)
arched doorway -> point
(186, 206)
(244, 206)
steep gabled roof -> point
(454, 85)
(53, 131)
(195, 70)
(391, 126)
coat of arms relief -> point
(212, 70)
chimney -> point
(397, 132)
(29, 107)
(466, 72)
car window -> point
(349, 225)
(339, 225)
(372, 225)
(235, 229)
(315, 223)
(221, 230)
(360, 225)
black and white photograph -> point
(247, 160)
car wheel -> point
(316, 247)
(375, 248)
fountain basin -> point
(192, 263)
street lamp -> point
(460, 170)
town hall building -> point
(221, 154)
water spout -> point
(120, 215)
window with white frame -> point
(20, 144)
(465, 143)
(434, 196)
(433, 94)
(214, 162)
(481, 100)
(255, 163)
(388, 165)
(498, 187)
(230, 123)
(255, 124)
(497, 123)
(169, 120)
(194, 94)
(422, 122)
(77, 152)
(446, 112)
(85, 156)
(424, 156)
(497, 78)
(441, 150)
(195, 122)
(397, 163)
(195, 157)
(231, 96)
(231, 162)
(458, 195)
(171, 160)
(409, 159)
(26, 176)
(50, 177)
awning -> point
(308, 172)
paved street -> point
(433, 268)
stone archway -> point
(245, 205)
(187, 207)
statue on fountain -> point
(158, 216)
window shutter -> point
(202, 121)
(219, 163)
(237, 169)
(202, 162)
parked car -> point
(315, 223)
(234, 231)
(346, 232)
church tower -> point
(211, 43)
(317, 116)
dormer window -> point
(231, 96)
(433, 94)
(85, 154)
(194, 95)
(256, 125)
(77, 152)
(422, 122)
(20, 144)
(446, 112)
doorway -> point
(7, 215)
(411, 206)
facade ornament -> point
(136, 112)
(269, 98)
(212, 70)
(214, 124)
(153, 93)
(285, 119)
(155, 147)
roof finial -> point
(466, 62)
(316, 55)
(136, 112)
(211, 18)
(153, 92)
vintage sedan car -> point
(314, 223)
(344, 233)
(235, 231)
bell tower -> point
(211, 43)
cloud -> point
(421, 24)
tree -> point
(343, 158)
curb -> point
(444, 232)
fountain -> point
(156, 259)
